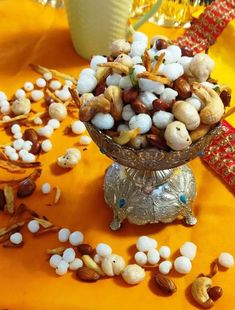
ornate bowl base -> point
(143, 196)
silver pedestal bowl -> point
(149, 185)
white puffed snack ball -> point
(38, 121)
(46, 188)
(141, 121)
(97, 60)
(185, 61)
(165, 251)
(182, 264)
(18, 144)
(2, 96)
(86, 84)
(69, 255)
(76, 238)
(165, 267)
(47, 76)
(144, 244)
(175, 51)
(20, 94)
(127, 112)
(154, 243)
(153, 256)
(15, 128)
(14, 156)
(137, 60)
(63, 94)
(97, 258)
(138, 69)
(152, 53)
(141, 258)
(195, 102)
(28, 86)
(188, 249)
(103, 121)
(140, 36)
(16, 238)
(151, 86)
(21, 106)
(28, 157)
(226, 260)
(45, 131)
(63, 234)
(18, 135)
(125, 82)
(168, 95)
(76, 264)
(6, 118)
(62, 268)
(122, 127)
(46, 145)
(138, 48)
(169, 58)
(54, 123)
(8, 150)
(103, 249)
(87, 71)
(36, 95)
(162, 118)
(23, 153)
(41, 83)
(54, 85)
(113, 79)
(27, 145)
(147, 99)
(173, 71)
(119, 46)
(55, 260)
(5, 107)
(78, 127)
(133, 274)
(85, 140)
(33, 226)
(58, 111)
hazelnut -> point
(187, 51)
(215, 292)
(130, 94)
(182, 86)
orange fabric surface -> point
(31, 33)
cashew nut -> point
(120, 46)
(69, 159)
(199, 132)
(200, 67)
(177, 136)
(114, 95)
(126, 135)
(187, 114)
(102, 73)
(214, 107)
(199, 291)
(21, 106)
(93, 106)
(113, 265)
(125, 60)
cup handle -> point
(144, 18)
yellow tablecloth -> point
(31, 33)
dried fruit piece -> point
(85, 249)
(57, 195)
(9, 229)
(87, 274)
(26, 188)
(126, 135)
(9, 196)
(165, 284)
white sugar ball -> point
(76, 238)
(18, 135)
(127, 112)
(140, 36)
(103, 249)
(185, 61)
(87, 71)
(23, 153)
(195, 102)
(226, 260)
(169, 58)
(122, 127)
(8, 150)
(113, 79)
(16, 238)
(20, 94)
(41, 82)
(97, 60)
(76, 264)
(6, 118)
(37, 121)
(54, 123)
(14, 156)
(62, 268)
(55, 84)
(153, 256)
(97, 258)
(63, 94)
(78, 127)
(162, 118)
(138, 48)
(165, 251)
(63, 234)
(138, 69)
(147, 99)
(85, 140)
(69, 255)
(152, 53)
(173, 71)
(47, 76)
(2, 96)
(175, 51)
(165, 267)
(28, 86)
(15, 128)
(141, 121)
(33, 226)
(151, 86)
(161, 69)
(137, 60)
(182, 264)
(144, 244)
(55, 260)
(46, 188)
(141, 258)
(103, 121)
(154, 243)
(36, 95)
(46, 145)
(86, 84)
(168, 95)
(27, 145)
(125, 82)
(28, 158)
(18, 144)
(189, 250)
(5, 109)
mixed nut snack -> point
(162, 96)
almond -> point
(87, 274)
(165, 284)
(31, 135)
(85, 249)
(26, 188)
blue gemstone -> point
(200, 153)
(183, 198)
(122, 202)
